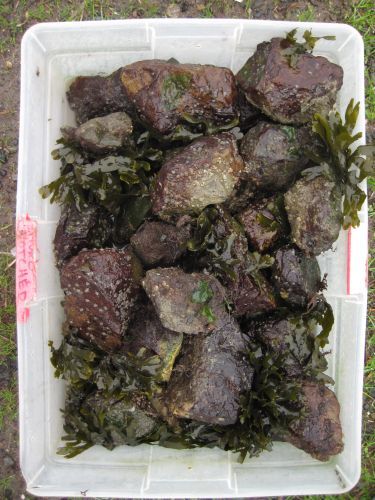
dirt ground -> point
(15, 18)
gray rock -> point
(171, 290)
(102, 134)
(314, 213)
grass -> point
(7, 310)
(307, 15)
(362, 18)
(8, 404)
(5, 484)
(8, 392)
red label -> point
(26, 249)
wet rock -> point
(92, 96)
(171, 292)
(203, 173)
(103, 134)
(289, 94)
(296, 277)
(147, 332)
(101, 288)
(158, 243)
(314, 213)
(77, 229)
(288, 338)
(264, 223)
(210, 376)
(165, 94)
(319, 432)
(251, 295)
(274, 155)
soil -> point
(329, 11)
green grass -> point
(307, 15)
(7, 310)
(6, 484)
(8, 404)
(362, 18)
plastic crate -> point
(52, 55)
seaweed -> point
(293, 49)
(338, 161)
(203, 295)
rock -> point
(171, 292)
(264, 223)
(77, 229)
(288, 338)
(314, 213)
(319, 432)
(92, 96)
(146, 331)
(251, 295)
(158, 243)
(101, 288)
(165, 94)
(210, 376)
(296, 277)
(289, 94)
(103, 134)
(203, 173)
(273, 155)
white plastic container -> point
(52, 55)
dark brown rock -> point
(101, 288)
(203, 173)
(209, 378)
(158, 243)
(89, 227)
(92, 96)
(273, 155)
(314, 213)
(296, 277)
(164, 93)
(319, 432)
(249, 114)
(287, 338)
(289, 94)
(147, 332)
(251, 295)
(263, 223)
